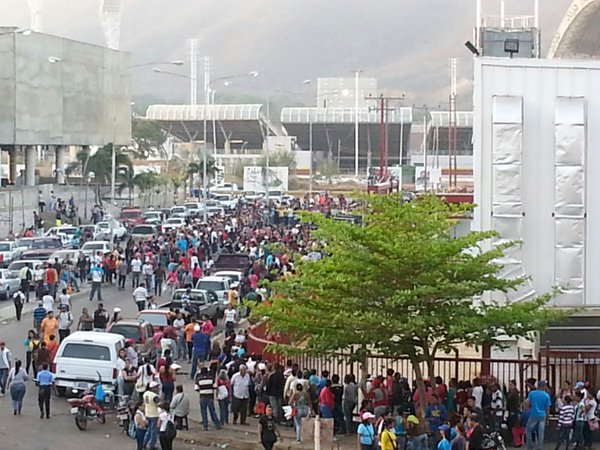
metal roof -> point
(464, 119)
(314, 115)
(196, 112)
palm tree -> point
(100, 163)
(198, 168)
(143, 181)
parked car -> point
(238, 262)
(92, 248)
(24, 244)
(174, 223)
(204, 302)
(195, 209)
(219, 285)
(157, 317)
(215, 211)
(112, 227)
(63, 255)
(153, 217)
(9, 284)
(82, 356)
(131, 216)
(142, 332)
(144, 231)
(9, 252)
(225, 187)
(41, 248)
(180, 211)
(226, 201)
(69, 230)
(16, 266)
(234, 275)
(251, 196)
(274, 196)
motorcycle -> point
(86, 408)
(493, 441)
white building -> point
(536, 141)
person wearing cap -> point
(444, 443)
(151, 401)
(366, 432)
(540, 407)
(201, 349)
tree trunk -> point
(420, 386)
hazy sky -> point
(404, 43)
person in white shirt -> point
(180, 345)
(48, 302)
(240, 390)
(65, 299)
(148, 272)
(164, 417)
(140, 295)
(65, 320)
(136, 270)
(230, 316)
(477, 392)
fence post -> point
(547, 360)
(456, 362)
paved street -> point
(28, 431)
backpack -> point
(170, 430)
(132, 430)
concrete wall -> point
(82, 99)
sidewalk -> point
(239, 437)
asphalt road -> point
(28, 431)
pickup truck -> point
(231, 262)
(202, 302)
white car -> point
(227, 201)
(9, 252)
(225, 187)
(64, 229)
(218, 285)
(252, 195)
(195, 209)
(215, 211)
(153, 217)
(113, 227)
(9, 283)
(274, 196)
(180, 211)
(92, 248)
(174, 223)
(85, 356)
(235, 275)
(63, 255)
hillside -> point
(404, 43)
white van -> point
(84, 357)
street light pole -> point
(356, 124)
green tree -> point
(100, 163)
(144, 181)
(328, 168)
(148, 138)
(198, 168)
(401, 285)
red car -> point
(156, 317)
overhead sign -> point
(257, 179)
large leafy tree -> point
(401, 285)
(197, 167)
(148, 138)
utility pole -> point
(383, 109)
(452, 130)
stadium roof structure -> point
(332, 127)
(439, 128)
(578, 34)
(241, 125)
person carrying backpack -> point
(166, 428)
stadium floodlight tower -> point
(35, 7)
(498, 35)
(111, 13)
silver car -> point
(9, 284)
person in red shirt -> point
(326, 401)
(51, 279)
